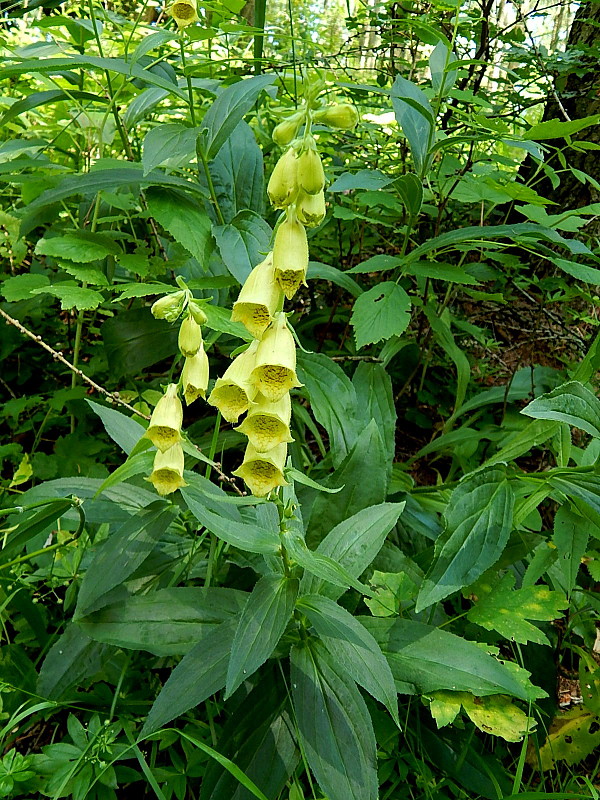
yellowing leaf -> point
(495, 714)
(573, 736)
(508, 610)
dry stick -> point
(59, 357)
(113, 396)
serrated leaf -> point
(494, 714)
(129, 290)
(507, 610)
(243, 242)
(184, 219)
(353, 648)
(79, 246)
(572, 403)
(380, 313)
(334, 726)
(72, 296)
(92, 275)
(22, 287)
(262, 623)
(478, 524)
(170, 143)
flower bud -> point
(263, 472)
(194, 376)
(310, 175)
(165, 423)
(167, 472)
(268, 424)
(184, 12)
(274, 372)
(290, 255)
(233, 393)
(310, 208)
(283, 186)
(258, 299)
(341, 115)
(190, 337)
(197, 313)
(286, 131)
(168, 307)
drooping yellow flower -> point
(194, 376)
(184, 12)
(274, 372)
(340, 115)
(268, 424)
(233, 393)
(164, 430)
(310, 208)
(167, 472)
(258, 299)
(309, 169)
(283, 185)
(168, 307)
(197, 312)
(290, 255)
(286, 131)
(190, 337)
(263, 472)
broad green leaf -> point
(228, 109)
(507, 610)
(117, 557)
(363, 476)
(379, 263)
(21, 287)
(380, 313)
(352, 647)
(30, 524)
(300, 477)
(237, 174)
(134, 340)
(85, 273)
(415, 117)
(363, 179)
(72, 658)
(72, 296)
(583, 489)
(38, 99)
(243, 243)
(580, 271)
(410, 189)
(332, 400)
(151, 42)
(572, 403)
(442, 77)
(166, 622)
(494, 714)
(170, 143)
(571, 536)
(424, 659)
(318, 271)
(79, 246)
(129, 290)
(219, 319)
(239, 534)
(354, 543)
(200, 673)
(558, 129)
(334, 726)
(184, 219)
(533, 435)
(124, 430)
(573, 736)
(375, 400)
(478, 524)
(261, 625)
(392, 589)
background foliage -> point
(415, 615)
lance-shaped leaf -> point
(572, 403)
(478, 524)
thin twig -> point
(113, 396)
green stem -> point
(188, 81)
(211, 186)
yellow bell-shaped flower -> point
(268, 424)
(259, 299)
(167, 472)
(274, 373)
(184, 12)
(290, 255)
(190, 337)
(234, 392)
(309, 170)
(286, 131)
(164, 430)
(168, 307)
(340, 115)
(194, 376)
(310, 208)
(283, 186)
(263, 472)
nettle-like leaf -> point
(79, 246)
(494, 714)
(507, 610)
(72, 296)
(21, 287)
(380, 313)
